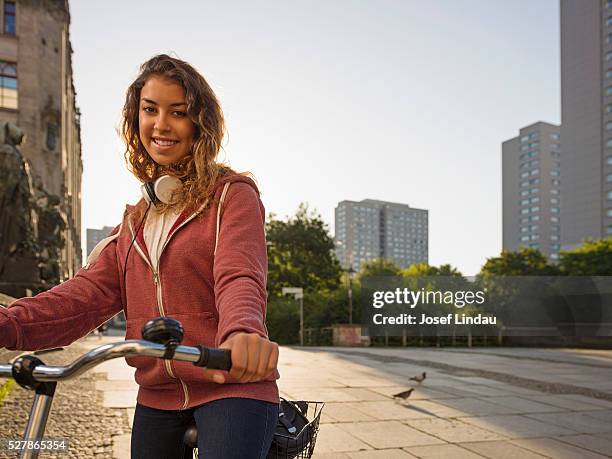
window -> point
(555, 182)
(52, 133)
(609, 195)
(555, 246)
(555, 146)
(555, 228)
(554, 237)
(609, 143)
(609, 178)
(609, 73)
(554, 200)
(609, 21)
(554, 256)
(9, 17)
(534, 227)
(534, 245)
(555, 154)
(535, 171)
(525, 138)
(524, 229)
(524, 192)
(524, 202)
(609, 91)
(554, 219)
(524, 238)
(534, 200)
(554, 191)
(555, 173)
(555, 136)
(524, 211)
(535, 237)
(609, 160)
(554, 210)
(609, 56)
(525, 174)
(608, 212)
(535, 218)
(8, 85)
(535, 209)
(609, 229)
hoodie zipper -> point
(158, 294)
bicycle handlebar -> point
(199, 355)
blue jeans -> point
(228, 428)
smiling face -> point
(165, 129)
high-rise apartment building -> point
(531, 180)
(37, 94)
(96, 235)
(586, 120)
(371, 229)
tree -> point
(301, 253)
(379, 267)
(424, 269)
(593, 258)
(524, 262)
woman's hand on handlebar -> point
(253, 358)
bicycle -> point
(161, 339)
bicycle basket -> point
(295, 434)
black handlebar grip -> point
(218, 359)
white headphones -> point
(161, 190)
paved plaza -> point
(491, 402)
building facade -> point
(371, 229)
(586, 120)
(37, 94)
(531, 181)
(96, 235)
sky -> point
(398, 100)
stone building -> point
(37, 94)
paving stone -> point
(515, 426)
(453, 431)
(345, 412)
(332, 439)
(593, 443)
(523, 405)
(602, 415)
(388, 434)
(501, 450)
(317, 455)
(120, 399)
(435, 408)
(363, 395)
(382, 454)
(442, 452)
(565, 401)
(324, 394)
(121, 446)
(419, 393)
(390, 410)
(553, 448)
(477, 407)
(578, 422)
(116, 385)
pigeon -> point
(420, 378)
(404, 394)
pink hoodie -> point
(212, 295)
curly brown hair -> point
(198, 170)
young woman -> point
(192, 249)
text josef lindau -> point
(409, 297)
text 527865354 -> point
(46, 444)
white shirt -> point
(156, 232)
